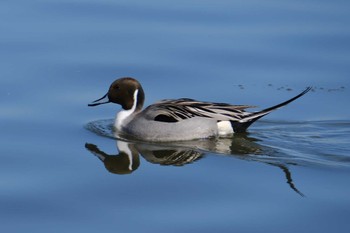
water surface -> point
(290, 173)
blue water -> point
(290, 173)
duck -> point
(177, 119)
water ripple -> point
(311, 143)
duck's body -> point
(176, 120)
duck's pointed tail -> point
(246, 121)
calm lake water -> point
(61, 170)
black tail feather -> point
(239, 127)
(242, 125)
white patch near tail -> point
(224, 128)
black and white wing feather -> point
(182, 109)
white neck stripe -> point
(124, 114)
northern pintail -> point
(178, 119)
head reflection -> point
(125, 162)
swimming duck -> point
(177, 119)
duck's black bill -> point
(103, 100)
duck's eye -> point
(116, 87)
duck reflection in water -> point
(183, 153)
